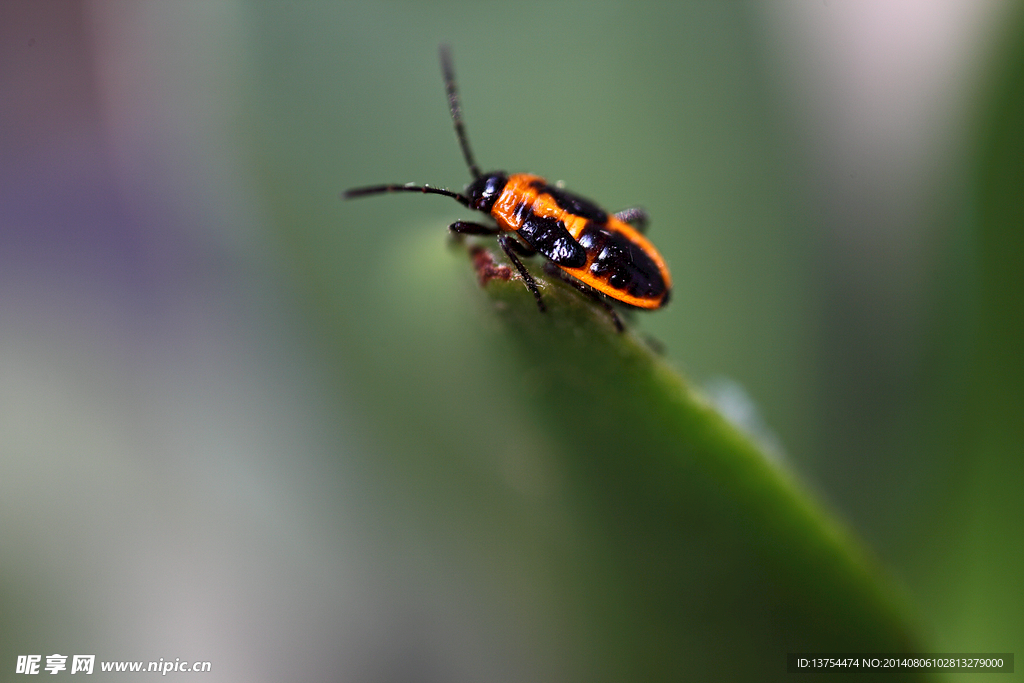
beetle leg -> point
(552, 269)
(467, 228)
(510, 247)
(635, 216)
(520, 248)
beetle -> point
(604, 255)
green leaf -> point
(710, 560)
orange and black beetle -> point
(600, 253)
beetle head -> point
(485, 190)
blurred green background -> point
(245, 422)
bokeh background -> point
(242, 421)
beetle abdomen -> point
(623, 265)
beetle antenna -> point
(456, 108)
(408, 187)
